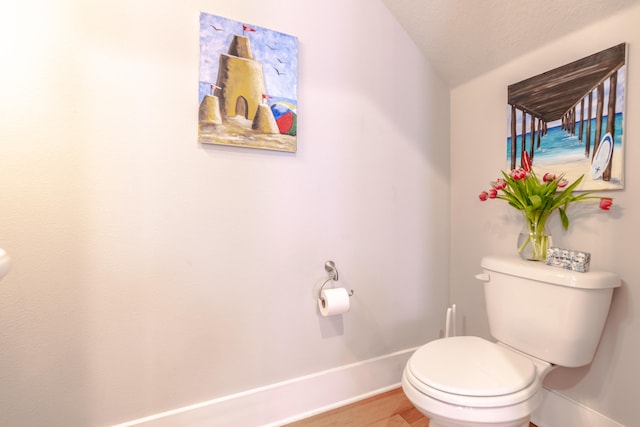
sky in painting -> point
(277, 52)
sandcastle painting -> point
(569, 120)
(248, 84)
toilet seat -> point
(472, 372)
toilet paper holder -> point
(330, 267)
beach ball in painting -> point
(286, 117)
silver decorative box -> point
(568, 259)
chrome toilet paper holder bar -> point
(330, 267)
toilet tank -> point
(550, 313)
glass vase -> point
(534, 239)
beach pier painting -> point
(247, 90)
(570, 120)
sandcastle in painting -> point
(237, 110)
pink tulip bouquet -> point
(537, 199)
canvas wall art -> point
(570, 120)
(248, 85)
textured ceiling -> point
(465, 38)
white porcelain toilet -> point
(543, 317)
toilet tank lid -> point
(516, 266)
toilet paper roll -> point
(333, 301)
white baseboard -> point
(557, 410)
(291, 400)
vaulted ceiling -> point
(466, 38)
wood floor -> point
(390, 409)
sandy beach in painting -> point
(237, 131)
(574, 169)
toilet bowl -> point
(468, 381)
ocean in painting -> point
(557, 146)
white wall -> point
(151, 272)
(478, 116)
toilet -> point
(542, 317)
